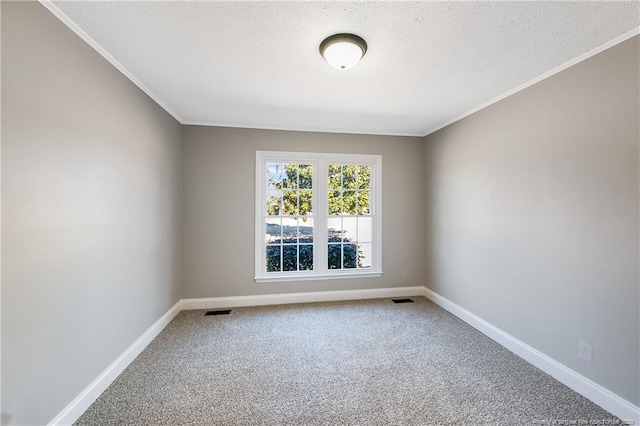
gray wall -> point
(219, 206)
(532, 216)
(90, 229)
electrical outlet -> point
(585, 351)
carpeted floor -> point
(368, 362)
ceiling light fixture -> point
(342, 51)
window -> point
(317, 216)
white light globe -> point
(343, 55)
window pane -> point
(335, 177)
(334, 229)
(365, 255)
(306, 258)
(273, 258)
(365, 229)
(335, 202)
(273, 231)
(305, 230)
(349, 229)
(274, 202)
(364, 202)
(289, 230)
(334, 255)
(290, 176)
(289, 213)
(364, 177)
(274, 176)
(350, 256)
(349, 202)
(289, 258)
(305, 200)
(290, 202)
(349, 177)
(305, 176)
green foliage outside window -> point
(290, 194)
(351, 255)
(349, 189)
(290, 190)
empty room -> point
(320, 213)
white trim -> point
(79, 405)
(320, 163)
(300, 129)
(539, 78)
(603, 397)
(305, 297)
(329, 276)
(584, 386)
(74, 410)
(98, 48)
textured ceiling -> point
(256, 64)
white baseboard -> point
(611, 402)
(305, 297)
(74, 410)
(606, 399)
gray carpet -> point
(367, 362)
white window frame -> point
(320, 163)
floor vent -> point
(402, 300)
(220, 312)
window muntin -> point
(349, 222)
(304, 199)
(289, 217)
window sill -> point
(285, 278)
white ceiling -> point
(256, 64)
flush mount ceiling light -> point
(342, 51)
